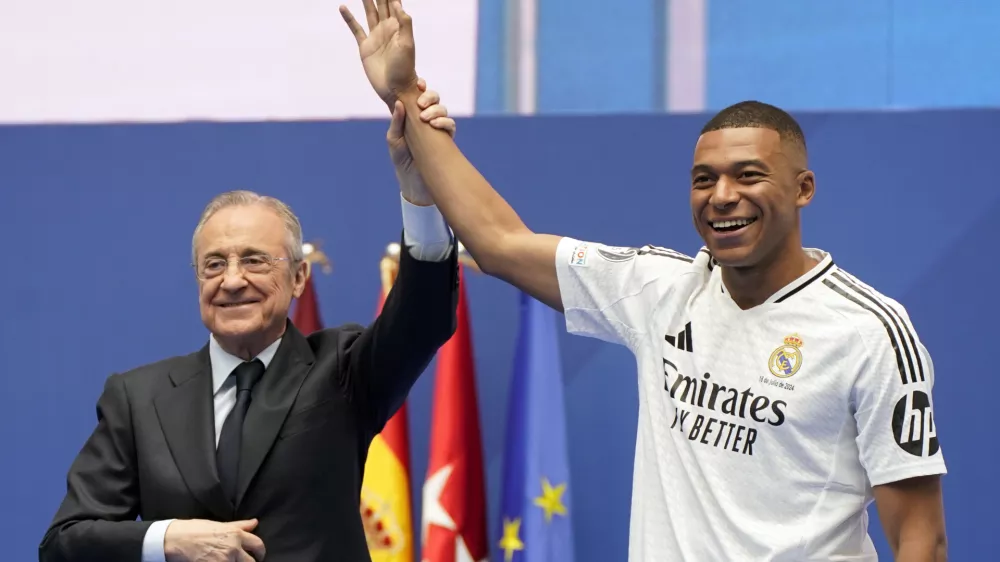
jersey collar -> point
(819, 270)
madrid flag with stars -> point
(453, 526)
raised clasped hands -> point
(433, 112)
(387, 50)
(387, 55)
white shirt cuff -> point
(152, 542)
(425, 232)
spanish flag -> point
(385, 490)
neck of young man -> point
(752, 286)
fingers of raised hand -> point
(396, 124)
(375, 11)
(433, 112)
(396, 9)
(353, 25)
(427, 99)
(446, 124)
(371, 13)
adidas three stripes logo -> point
(682, 340)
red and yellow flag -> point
(385, 491)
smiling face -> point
(246, 311)
(747, 186)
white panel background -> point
(170, 60)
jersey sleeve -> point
(608, 292)
(894, 405)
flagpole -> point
(453, 515)
(313, 254)
(386, 497)
(389, 266)
(306, 316)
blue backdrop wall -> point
(97, 222)
(844, 55)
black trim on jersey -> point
(712, 263)
(910, 350)
(663, 253)
(888, 329)
(898, 316)
(805, 283)
(711, 259)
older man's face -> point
(246, 311)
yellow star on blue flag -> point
(536, 485)
(551, 499)
(511, 541)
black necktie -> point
(227, 454)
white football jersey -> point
(761, 432)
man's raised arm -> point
(489, 228)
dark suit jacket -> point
(314, 412)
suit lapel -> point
(272, 397)
(187, 417)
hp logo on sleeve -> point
(913, 425)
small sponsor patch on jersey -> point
(786, 359)
(616, 253)
(580, 255)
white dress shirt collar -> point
(224, 362)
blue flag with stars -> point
(535, 497)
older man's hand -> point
(433, 112)
(199, 540)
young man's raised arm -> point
(485, 223)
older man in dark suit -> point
(257, 442)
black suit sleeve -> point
(97, 518)
(418, 317)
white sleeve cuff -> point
(425, 232)
(152, 542)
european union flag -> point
(535, 499)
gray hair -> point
(242, 198)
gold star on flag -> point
(510, 541)
(551, 499)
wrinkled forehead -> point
(242, 231)
(725, 147)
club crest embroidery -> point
(786, 359)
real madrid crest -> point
(787, 358)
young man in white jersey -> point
(779, 395)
